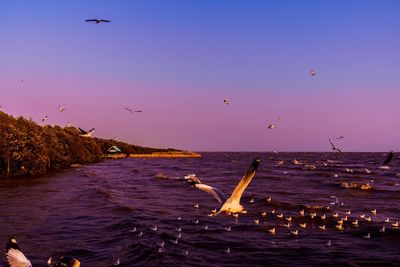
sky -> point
(178, 60)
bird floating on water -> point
(97, 20)
(117, 262)
(272, 230)
(231, 204)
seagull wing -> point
(128, 109)
(90, 20)
(16, 258)
(103, 20)
(237, 193)
(388, 159)
(333, 146)
(215, 192)
(82, 131)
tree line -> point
(27, 148)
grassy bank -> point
(27, 148)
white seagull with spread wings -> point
(231, 204)
(15, 257)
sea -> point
(142, 212)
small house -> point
(114, 149)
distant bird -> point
(231, 204)
(295, 232)
(264, 213)
(197, 205)
(382, 230)
(97, 20)
(226, 101)
(61, 108)
(228, 228)
(334, 148)
(68, 124)
(368, 236)
(228, 250)
(117, 262)
(313, 73)
(132, 111)
(86, 134)
(340, 137)
(389, 157)
(271, 126)
(44, 118)
(329, 243)
(272, 230)
(322, 227)
(154, 228)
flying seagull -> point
(15, 257)
(132, 111)
(334, 148)
(313, 73)
(86, 134)
(340, 137)
(226, 101)
(45, 118)
(389, 157)
(232, 204)
(61, 108)
(271, 126)
(97, 20)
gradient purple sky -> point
(178, 60)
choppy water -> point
(91, 213)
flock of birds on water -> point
(319, 217)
